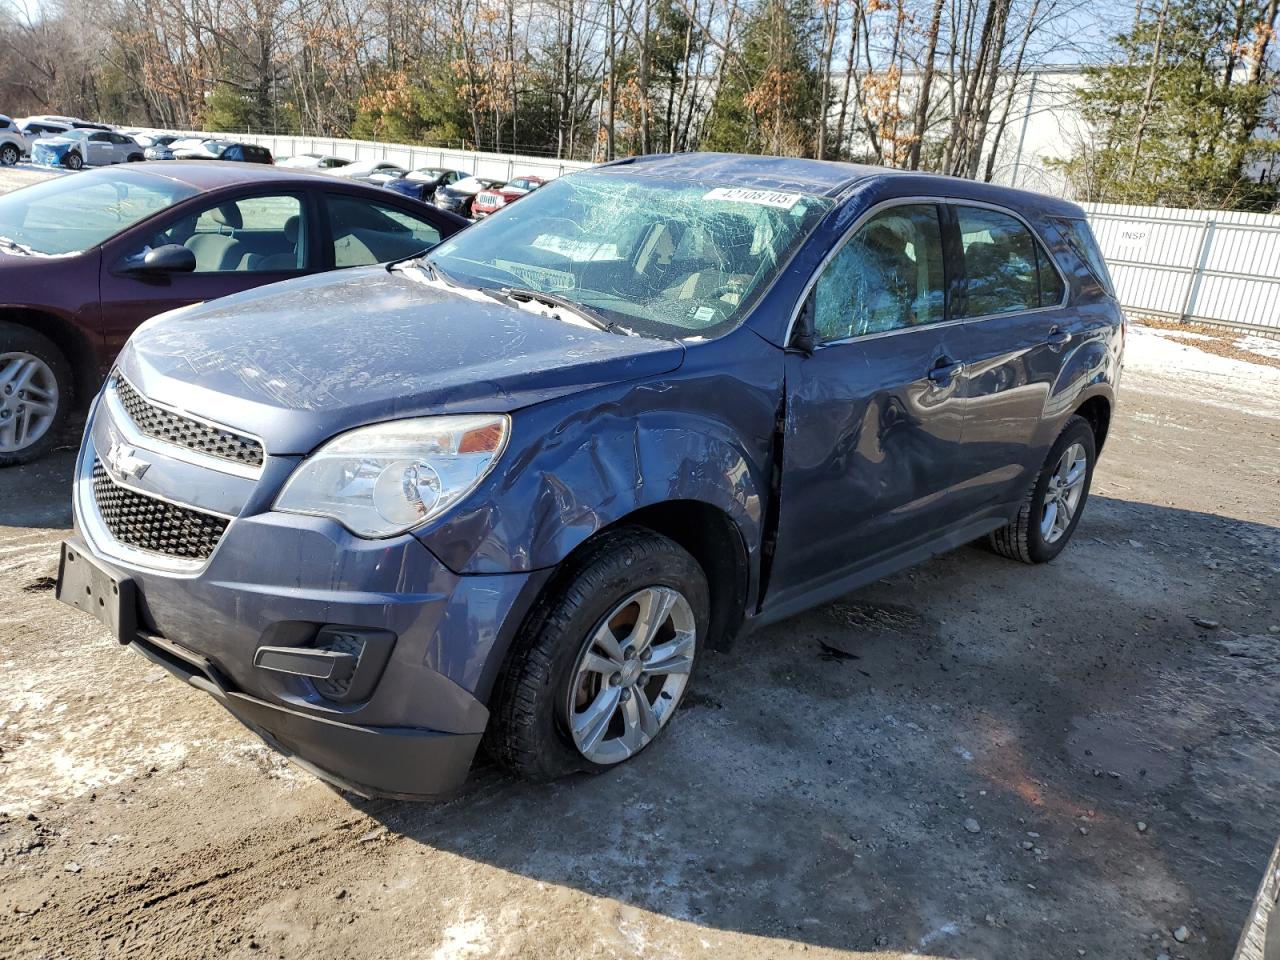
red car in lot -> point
(493, 200)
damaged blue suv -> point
(510, 491)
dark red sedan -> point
(494, 199)
(85, 258)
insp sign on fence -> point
(1212, 266)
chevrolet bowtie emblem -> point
(123, 463)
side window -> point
(365, 232)
(100, 137)
(1051, 286)
(253, 235)
(118, 138)
(1007, 269)
(886, 277)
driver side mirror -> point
(169, 258)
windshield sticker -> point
(764, 198)
(581, 251)
(539, 278)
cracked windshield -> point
(659, 258)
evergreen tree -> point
(1182, 117)
(770, 100)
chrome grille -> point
(163, 424)
(148, 523)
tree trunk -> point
(926, 86)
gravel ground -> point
(1011, 762)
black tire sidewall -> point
(7, 151)
(1076, 431)
(14, 338)
(571, 614)
(74, 161)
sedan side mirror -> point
(169, 258)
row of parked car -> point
(74, 143)
(456, 191)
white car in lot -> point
(12, 142)
(314, 161)
(371, 171)
(85, 147)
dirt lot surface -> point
(1006, 762)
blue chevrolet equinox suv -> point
(510, 490)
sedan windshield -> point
(71, 214)
(658, 257)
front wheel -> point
(601, 667)
(35, 394)
(1051, 510)
(74, 161)
(9, 155)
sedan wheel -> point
(631, 673)
(74, 161)
(9, 155)
(1062, 496)
(28, 401)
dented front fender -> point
(577, 465)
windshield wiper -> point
(10, 244)
(554, 300)
(430, 267)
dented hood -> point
(300, 361)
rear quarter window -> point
(1080, 237)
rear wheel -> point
(9, 155)
(600, 669)
(73, 161)
(136, 158)
(1051, 510)
(35, 394)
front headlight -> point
(382, 480)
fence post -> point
(1202, 263)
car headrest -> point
(228, 215)
(732, 234)
(291, 229)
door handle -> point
(1058, 337)
(945, 370)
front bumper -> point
(276, 580)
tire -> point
(73, 161)
(136, 158)
(551, 679)
(25, 353)
(1032, 536)
(9, 155)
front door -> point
(874, 415)
(239, 244)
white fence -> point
(1213, 266)
(499, 166)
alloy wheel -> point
(28, 400)
(74, 162)
(631, 673)
(9, 155)
(1062, 495)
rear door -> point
(1020, 329)
(874, 415)
(99, 149)
(363, 231)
